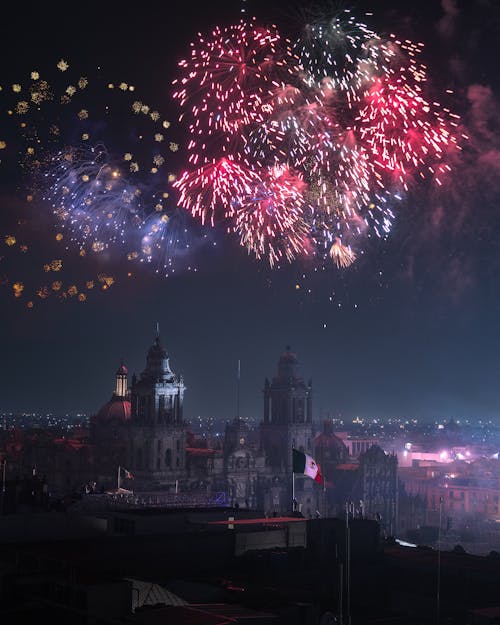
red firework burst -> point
(209, 190)
(269, 219)
(230, 76)
(402, 130)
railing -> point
(150, 500)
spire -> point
(157, 364)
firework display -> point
(99, 160)
(340, 109)
(300, 147)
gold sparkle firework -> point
(342, 255)
(42, 108)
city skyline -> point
(410, 329)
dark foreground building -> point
(219, 566)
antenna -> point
(238, 390)
(157, 329)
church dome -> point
(157, 363)
(157, 351)
(288, 357)
(116, 409)
(329, 441)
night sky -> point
(410, 330)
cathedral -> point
(142, 428)
(139, 444)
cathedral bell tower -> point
(157, 443)
(287, 425)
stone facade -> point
(156, 432)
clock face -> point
(242, 441)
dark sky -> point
(411, 329)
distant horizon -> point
(316, 420)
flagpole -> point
(324, 496)
(293, 491)
(118, 480)
(348, 566)
(238, 390)
(4, 463)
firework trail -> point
(167, 241)
(91, 197)
(269, 219)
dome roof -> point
(157, 351)
(288, 357)
(329, 441)
(117, 409)
(288, 365)
(122, 370)
(157, 363)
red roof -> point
(116, 409)
(347, 467)
(200, 451)
(329, 440)
(261, 521)
(70, 442)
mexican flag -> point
(302, 463)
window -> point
(161, 408)
(168, 458)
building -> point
(287, 425)
(379, 483)
(142, 428)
